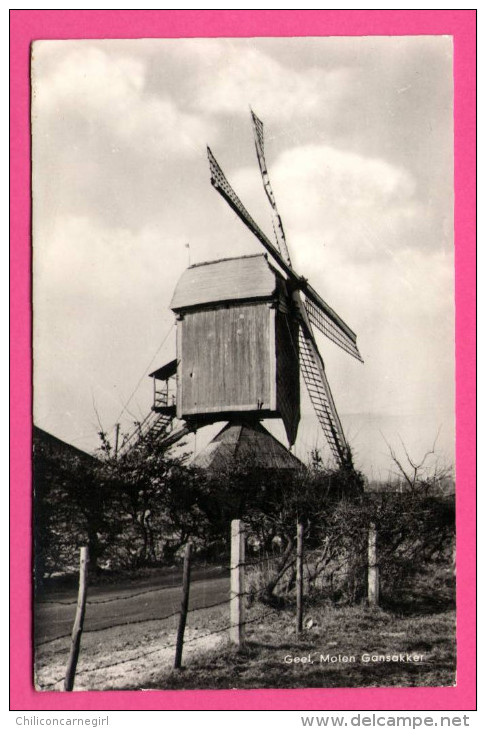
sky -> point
(359, 147)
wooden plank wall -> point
(225, 359)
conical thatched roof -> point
(246, 442)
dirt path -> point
(129, 632)
(113, 664)
(132, 603)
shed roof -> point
(246, 277)
(166, 371)
(247, 442)
(56, 446)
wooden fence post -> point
(237, 590)
(299, 577)
(186, 577)
(78, 621)
(373, 571)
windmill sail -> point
(321, 397)
(328, 327)
(277, 221)
(221, 184)
(328, 322)
(322, 315)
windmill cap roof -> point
(250, 443)
(245, 277)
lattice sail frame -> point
(321, 399)
(312, 366)
(328, 322)
(313, 310)
(328, 328)
(276, 219)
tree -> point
(157, 501)
(271, 502)
(72, 506)
(428, 474)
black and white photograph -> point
(243, 363)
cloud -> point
(358, 206)
(101, 309)
(109, 95)
(358, 139)
(356, 228)
(230, 75)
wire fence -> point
(111, 600)
(250, 578)
(136, 595)
(48, 654)
(172, 645)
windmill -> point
(244, 331)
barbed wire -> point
(119, 598)
(260, 561)
(162, 648)
(248, 564)
(428, 521)
(155, 618)
(110, 600)
(140, 621)
(250, 593)
(107, 628)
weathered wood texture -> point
(237, 343)
(225, 360)
(78, 620)
(166, 371)
(373, 571)
(250, 444)
(237, 589)
(246, 277)
(299, 579)
(186, 579)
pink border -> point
(28, 25)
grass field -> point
(268, 658)
(420, 623)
